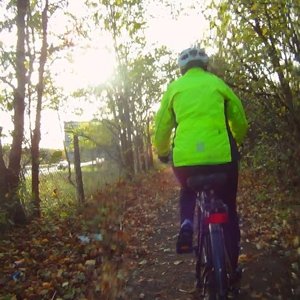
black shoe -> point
(185, 240)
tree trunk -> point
(78, 174)
(149, 146)
(17, 214)
(140, 151)
(129, 155)
(3, 177)
(125, 136)
(69, 164)
(35, 147)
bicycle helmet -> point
(192, 57)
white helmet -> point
(192, 54)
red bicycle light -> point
(217, 218)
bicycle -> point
(214, 273)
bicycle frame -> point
(211, 270)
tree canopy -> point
(258, 45)
(254, 47)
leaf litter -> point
(122, 246)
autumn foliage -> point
(81, 257)
(120, 232)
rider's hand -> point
(164, 159)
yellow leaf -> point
(264, 31)
(243, 258)
(254, 7)
(46, 285)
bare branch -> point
(4, 79)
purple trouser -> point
(227, 194)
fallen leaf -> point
(243, 258)
(296, 241)
(191, 291)
(143, 262)
(46, 285)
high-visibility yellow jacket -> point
(208, 118)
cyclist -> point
(210, 123)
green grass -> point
(97, 176)
(58, 195)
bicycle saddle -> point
(207, 182)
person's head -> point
(192, 57)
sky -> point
(93, 65)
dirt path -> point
(157, 272)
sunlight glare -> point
(177, 33)
(88, 67)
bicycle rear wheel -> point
(203, 265)
(219, 285)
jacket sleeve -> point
(236, 115)
(164, 124)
